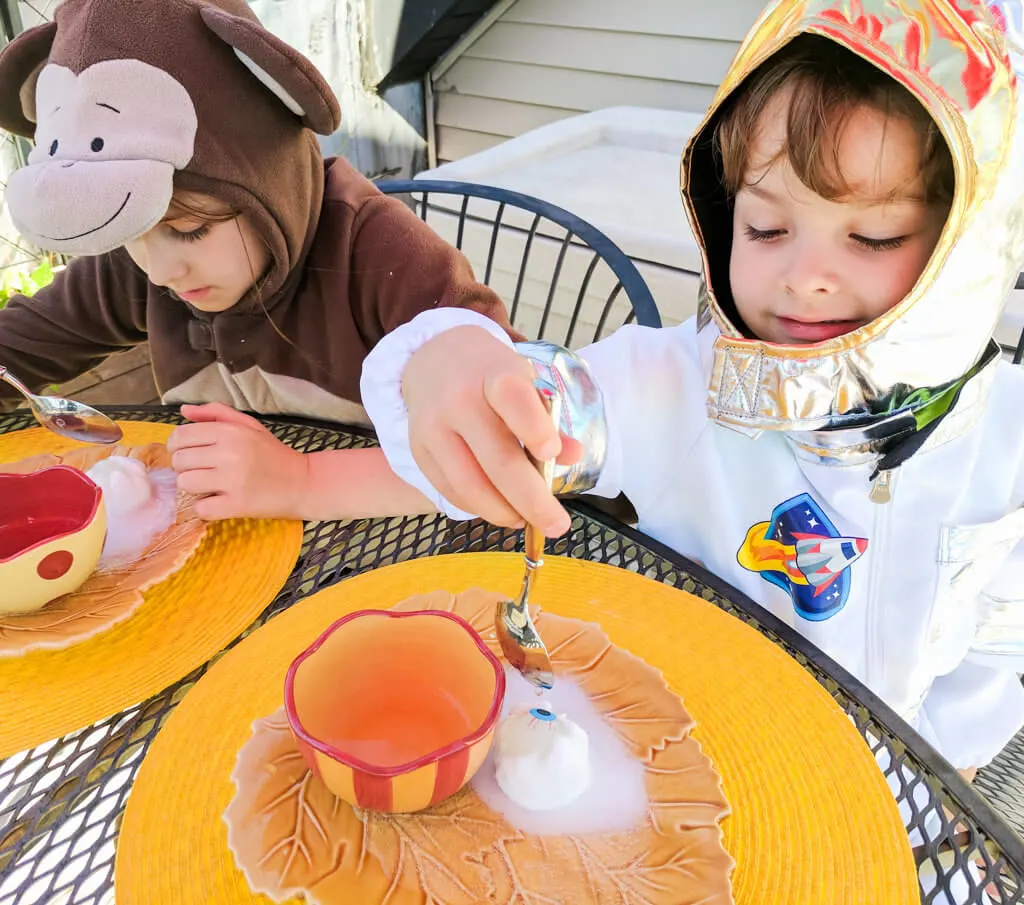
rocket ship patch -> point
(801, 551)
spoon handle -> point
(8, 377)
(534, 540)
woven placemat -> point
(232, 577)
(813, 821)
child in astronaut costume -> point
(835, 432)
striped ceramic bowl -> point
(395, 711)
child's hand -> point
(472, 408)
(246, 470)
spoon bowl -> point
(74, 420)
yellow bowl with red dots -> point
(395, 711)
(52, 528)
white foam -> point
(140, 505)
(615, 799)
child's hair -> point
(828, 83)
(181, 208)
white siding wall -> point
(13, 249)
(544, 60)
(36, 12)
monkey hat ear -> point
(283, 70)
(20, 64)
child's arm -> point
(358, 483)
(248, 472)
(454, 409)
(92, 309)
(971, 713)
(454, 405)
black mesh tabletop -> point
(61, 802)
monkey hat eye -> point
(53, 147)
(97, 145)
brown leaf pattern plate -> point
(108, 596)
(290, 836)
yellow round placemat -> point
(813, 821)
(236, 572)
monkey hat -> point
(128, 100)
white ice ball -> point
(541, 758)
(125, 483)
(140, 504)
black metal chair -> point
(562, 279)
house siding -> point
(545, 60)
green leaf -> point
(43, 274)
(22, 281)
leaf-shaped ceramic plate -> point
(110, 596)
(291, 836)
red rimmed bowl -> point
(52, 527)
(395, 711)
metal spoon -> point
(519, 639)
(576, 406)
(65, 417)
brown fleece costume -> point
(129, 99)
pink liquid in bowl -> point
(42, 506)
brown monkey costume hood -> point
(128, 99)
